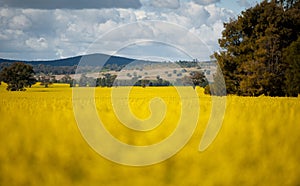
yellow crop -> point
(41, 144)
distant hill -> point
(91, 60)
(102, 63)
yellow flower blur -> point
(41, 143)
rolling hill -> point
(93, 63)
(90, 60)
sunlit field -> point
(41, 143)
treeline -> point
(109, 80)
(61, 70)
(196, 78)
(58, 70)
(261, 50)
(46, 69)
(19, 75)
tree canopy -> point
(292, 57)
(253, 58)
(18, 76)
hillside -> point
(102, 62)
(69, 65)
(91, 58)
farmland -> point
(41, 144)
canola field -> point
(41, 143)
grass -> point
(41, 144)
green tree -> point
(83, 81)
(217, 87)
(292, 57)
(46, 79)
(185, 81)
(198, 78)
(251, 59)
(109, 79)
(18, 76)
(144, 82)
(100, 82)
(67, 79)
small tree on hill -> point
(198, 78)
(47, 80)
(18, 76)
(83, 80)
(67, 79)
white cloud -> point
(196, 13)
(104, 27)
(71, 4)
(5, 12)
(206, 2)
(172, 4)
(37, 43)
(218, 14)
(19, 22)
(48, 34)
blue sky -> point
(237, 6)
(183, 29)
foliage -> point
(67, 79)
(106, 81)
(292, 57)
(252, 57)
(187, 64)
(218, 87)
(58, 70)
(46, 79)
(136, 81)
(18, 76)
(198, 78)
(83, 81)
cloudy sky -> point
(145, 29)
